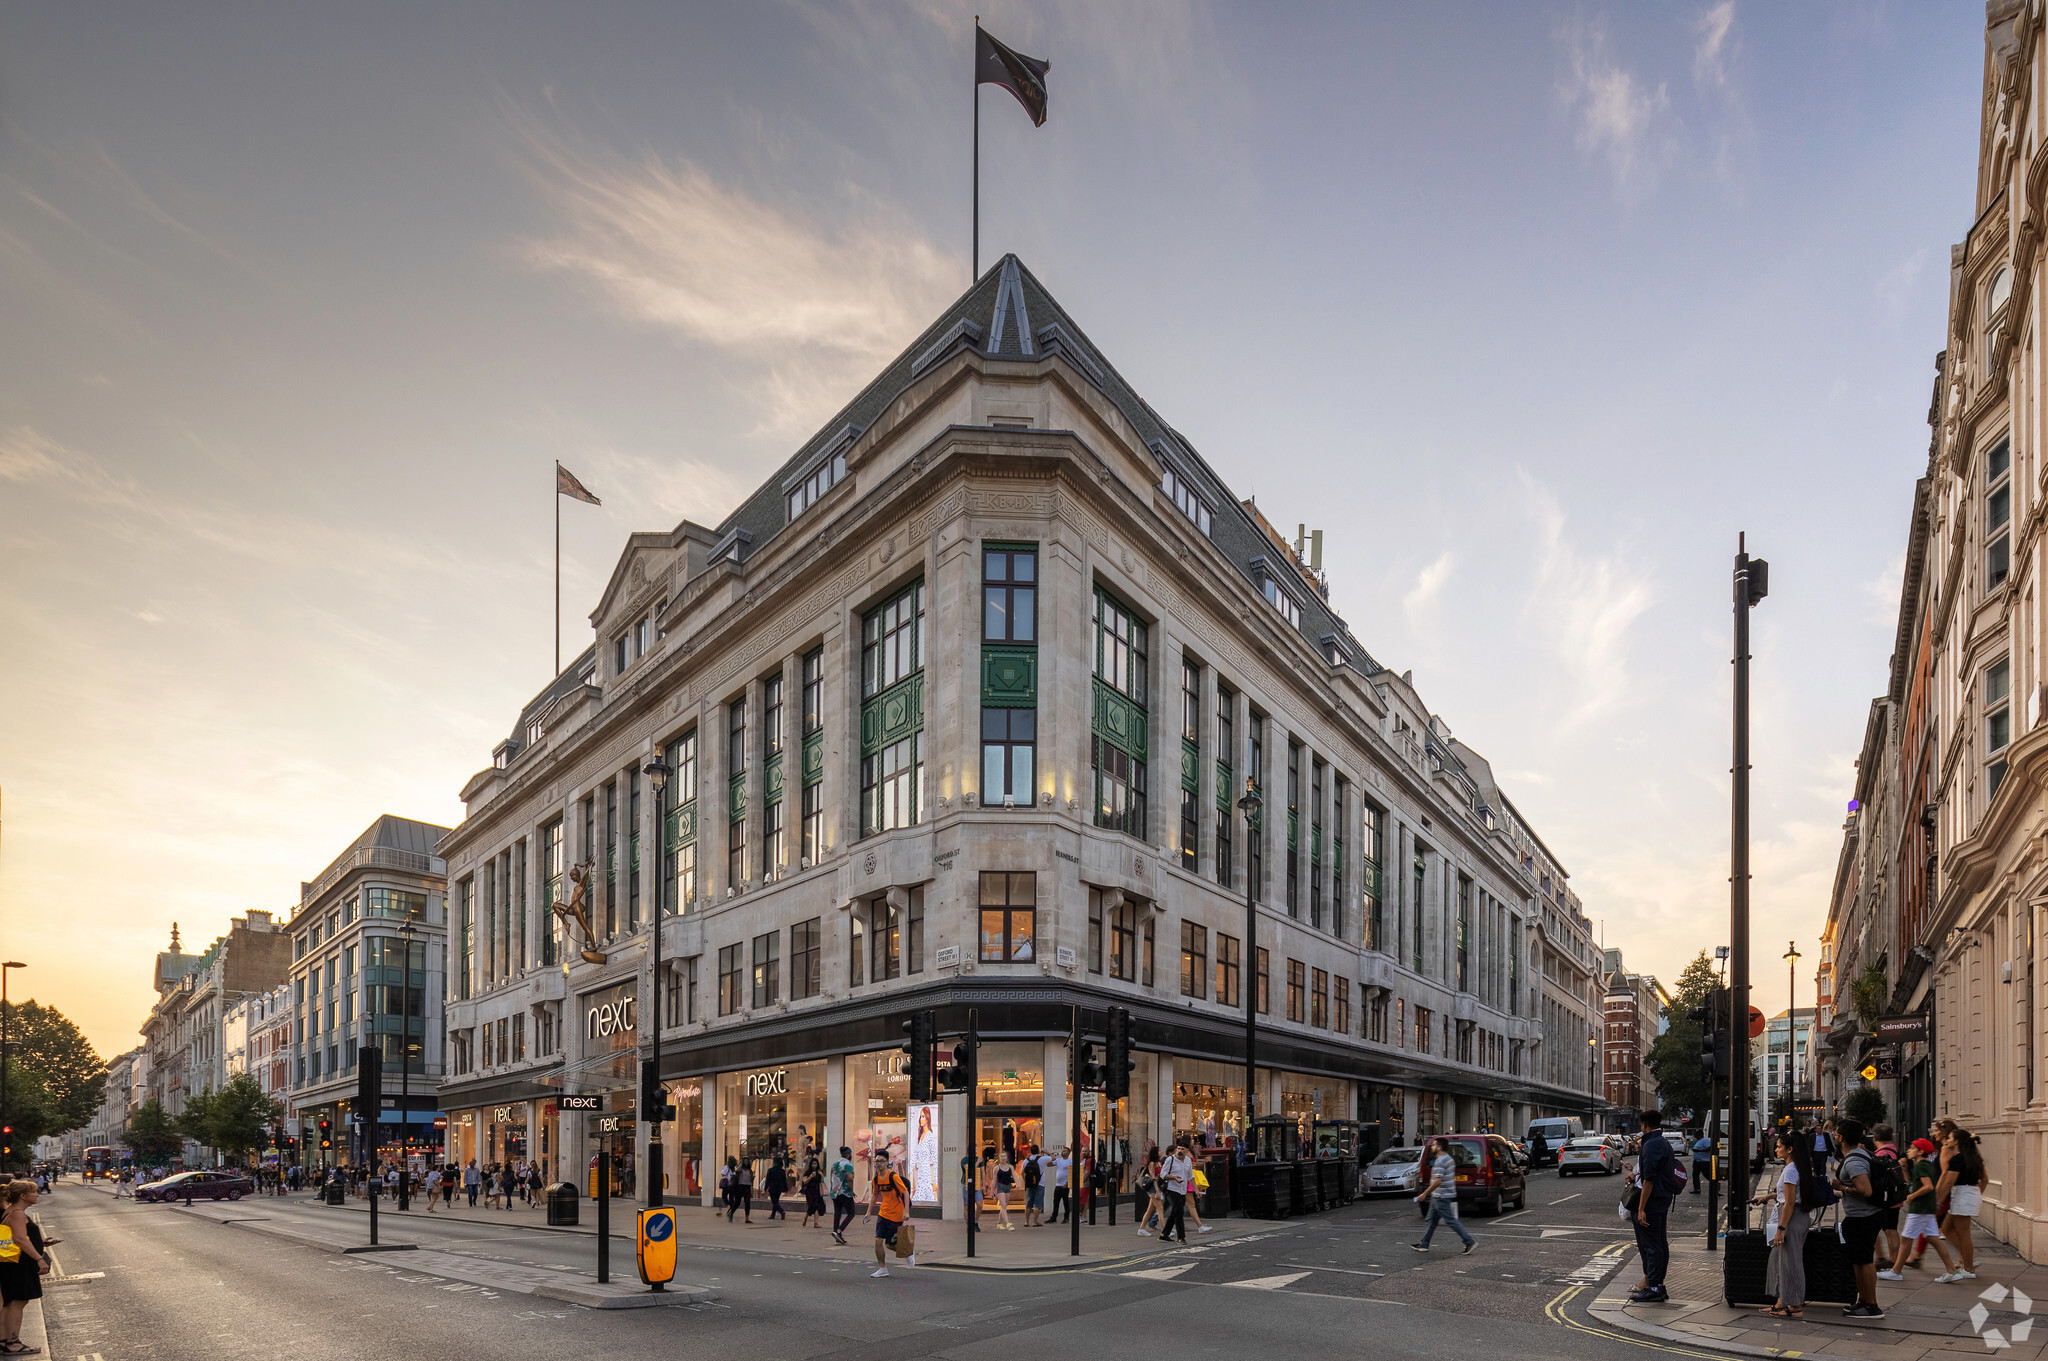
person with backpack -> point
(1034, 1188)
(889, 1202)
(1658, 1180)
(1789, 1220)
(1887, 1149)
(1857, 1178)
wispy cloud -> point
(1895, 285)
(1710, 53)
(1423, 596)
(1617, 112)
(1583, 605)
(1882, 591)
(815, 310)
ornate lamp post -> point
(1791, 957)
(657, 773)
(1249, 804)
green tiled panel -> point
(1119, 721)
(814, 758)
(736, 798)
(893, 715)
(772, 779)
(1190, 766)
(1293, 828)
(1371, 879)
(1226, 787)
(682, 825)
(1009, 677)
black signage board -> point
(1898, 1029)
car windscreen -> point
(1467, 1152)
(1397, 1155)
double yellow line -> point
(1557, 1312)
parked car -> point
(1397, 1169)
(199, 1185)
(1489, 1173)
(1591, 1153)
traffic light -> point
(921, 1035)
(1116, 1075)
(654, 1102)
(1088, 1068)
(325, 1127)
(1714, 1036)
(954, 1079)
(370, 1091)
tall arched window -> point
(1995, 299)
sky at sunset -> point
(1529, 307)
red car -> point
(197, 1186)
(1490, 1173)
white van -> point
(1556, 1131)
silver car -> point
(1397, 1169)
(1589, 1153)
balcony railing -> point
(372, 857)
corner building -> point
(959, 705)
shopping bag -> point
(906, 1240)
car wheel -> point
(234, 1195)
(1493, 1207)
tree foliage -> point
(233, 1120)
(1865, 1105)
(1674, 1057)
(152, 1135)
(44, 1041)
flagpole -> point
(976, 88)
(558, 573)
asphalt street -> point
(146, 1281)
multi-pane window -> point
(1265, 994)
(1190, 763)
(679, 824)
(1995, 299)
(856, 958)
(1293, 828)
(1226, 783)
(1369, 882)
(1340, 797)
(1194, 960)
(552, 871)
(1998, 514)
(1009, 748)
(1009, 909)
(1464, 946)
(1340, 1019)
(1422, 1017)
(805, 959)
(1997, 722)
(465, 920)
(633, 850)
(1226, 970)
(611, 859)
(821, 479)
(736, 809)
(774, 841)
(1297, 990)
(1009, 595)
(812, 833)
(767, 969)
(1118, 743)
(732, 973)
(1191, 502)
(1415, 945)
(892, 723)
(1282, 600)
(1317, 770)
(1319, 999)
(885, 937)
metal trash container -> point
(562, 1205)
(334, 1193)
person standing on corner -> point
(1657, 1181)
(1860, 1217)
(1179, 1172)
(1440, 1195)
(1062, 1188)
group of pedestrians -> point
(1893, 1206)
(1172, 1185)
(997, 1176)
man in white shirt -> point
(1061, 1166)
(1179, 1171)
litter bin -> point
(562, 1204)
(336, 1193)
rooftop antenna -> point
(1315, 551)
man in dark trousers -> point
(1657, 1180)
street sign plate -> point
(1065, 956)
(949, 956)
(1090, 1101)
(1869, 1072)
(1900, 1028)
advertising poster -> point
(924, 1153)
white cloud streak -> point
(1583, 606)
(1617, 112)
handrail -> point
(380, 857)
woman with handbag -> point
(1198, 1182)
(23, 1264)
(1789, 1219)
(1962, 1180)
(1152, 1186)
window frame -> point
(1998, 489)
(1194, 960)
(1018, 898)
(1997, 691)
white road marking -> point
(1160, 1273)
(1562, 1199)
(1563, 1233)
(1342, 1271)
(1267, 1282)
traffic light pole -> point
(1074, 1149)
(973, 1065)
(1751, 583)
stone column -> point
(1059, 1121)
(714, 1151)
(1162, 1106)
(953, 1137)
(835, 1109)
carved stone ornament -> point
(888, 550)
(639, 571)
(1130, 560)
(867, 864)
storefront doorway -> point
(611, 1132)
(771, 1113)
(1208, 1102)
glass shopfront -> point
(507, 1133)
(766, 1113)
(877, 1109)
(1208, 1103)
(1305, 1100)
(1428, 1114)
(611, 1131)
(1012, 1099)
(688, 1135)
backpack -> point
(1031, 1171)
(1887, 1186)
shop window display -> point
(770, 1112)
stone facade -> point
(959, 707)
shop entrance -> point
(613, 1134)
(1011, 1132)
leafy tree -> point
(151, 1134)
(234, 1119)
(1865, 1105)
(43, 1041)
(1674, 1057)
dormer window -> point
(534, 732)
(1278, 597)
(1187, 498)
(822, 479)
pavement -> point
(1923, 1320)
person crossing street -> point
(889, 1202)
(1440, 1194)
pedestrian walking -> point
(1151, 1185)
(889, 1202)
(472, 1180)
(1440, 1196)
(1886, 1148)
(1178, 1171)
(1062, 1191)
(842, 1193)
(1034, 1188)
(1198, 1182)
(1658, 1179)
(742, 1194)
(1860, 1216)
(536, 1187)
(491, 1187)
(1002, 1180)
(814, 1195)
(433, 1189)
(775, 1184)
(450, 1174)
(1786, 1227)
(1702, 1161)
(1922, 1226)
(1962, 1184)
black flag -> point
(1022, 76)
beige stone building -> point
(958, 707)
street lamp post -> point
(5, 1013)
(1592, 1085)
(657, 773)
(1752, 576)
(1791, 958)
(1249, 804)
(405, 1072)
